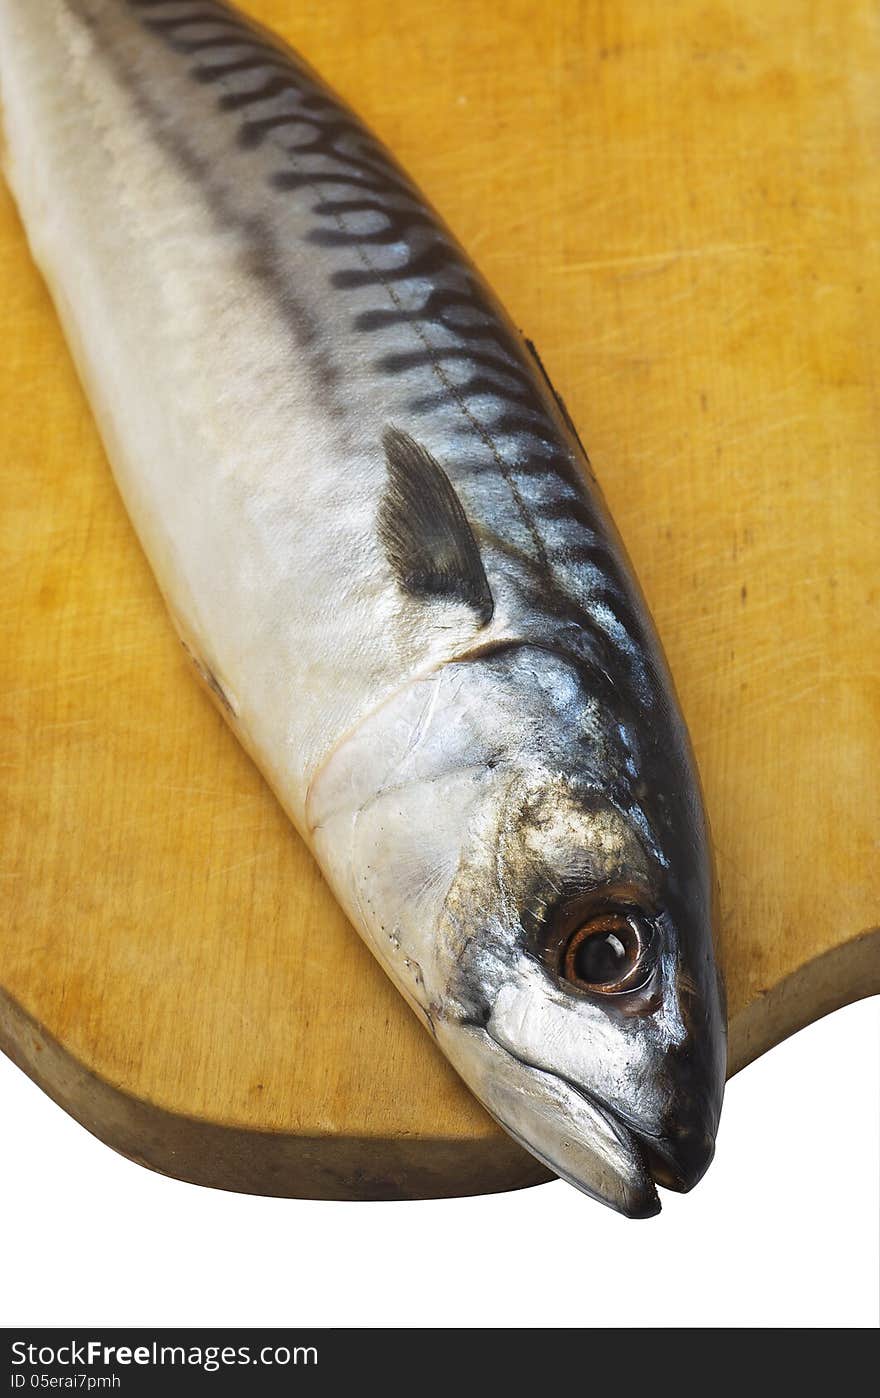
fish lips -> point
(677, 1162)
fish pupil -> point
(601, 958)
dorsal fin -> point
(560, 401)
(425, 531)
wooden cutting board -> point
(680, 204)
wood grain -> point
(680, 204)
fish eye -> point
(609, 952)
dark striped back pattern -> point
(434, 324)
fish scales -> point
(378, 536)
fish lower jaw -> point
(643, 1203)
(646, 1202)
(576, 1137)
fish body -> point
(377, 534)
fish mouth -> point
(676, 1164)
(576, 1136)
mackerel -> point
(379, 538)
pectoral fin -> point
(425, 531)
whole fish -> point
(375, 529)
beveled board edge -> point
(248, 1161)
(827, 982)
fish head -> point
(592, 1014)
(591, 1000)
(531, 865)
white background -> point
(782, 1231)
